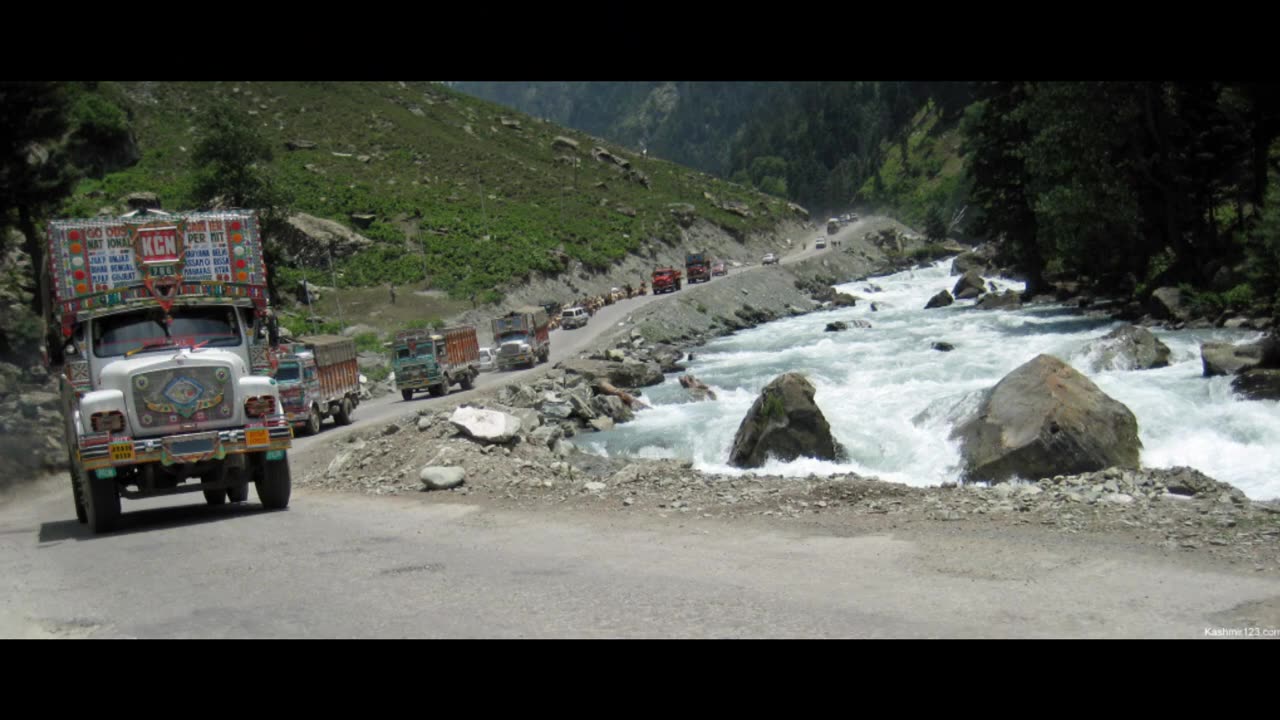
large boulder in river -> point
(1258, 384)
(942, 299)
(970, 285)
(785, 423)
(1127, 348)
(1007, 300)
(1046, 419)
(1228, 359)
(971, 262)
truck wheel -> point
(274, 483)
(467, 382)
(407, 395)
(215, 497)
(76, 493)
(313, 421)
(437, 390)
(238, 493)
(102, 504)
(343, 416)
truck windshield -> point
(288, 372)
(119, 334)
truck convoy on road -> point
(318, 377)
(696, 268)
(522, 337)
(665, 280)
(427, 360)
(163, 360)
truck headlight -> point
(260, 406)
(111, 421)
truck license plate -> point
(122, 451)
(259, 436)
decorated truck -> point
(523, 337)
(432, 361)
(696, 268)
(163, 360)
(665, 280)
(319, 377)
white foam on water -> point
(892, 400)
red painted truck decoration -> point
(101, 264)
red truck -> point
(319, 377)
(665, 280)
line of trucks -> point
(171, 376)
(697, 268)
(426, 360)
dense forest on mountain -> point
(1126, 185)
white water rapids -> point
(891, 400)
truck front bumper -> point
(417, 383)
(506, 361)
(105, 451)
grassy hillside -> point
(481, 189)
(932, 176)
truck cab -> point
(697, 268)
(522, 337)
(319, 377)
(666, 280)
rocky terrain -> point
(530, 463)
(1171, 510)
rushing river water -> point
(892, 400)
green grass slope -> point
(482, 190)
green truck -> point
(432, 361)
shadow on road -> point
(150, 520)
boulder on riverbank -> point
(1046, 419)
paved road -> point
(423, 566)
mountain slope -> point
(487, 193)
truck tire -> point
(102, 503)
(274, 483)
(437, 390)
(407, 395)
(313, 422)
(213, 497)
(76, 494)
(238, 493)
(343, 416)
(468, 381)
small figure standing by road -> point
(393, 294)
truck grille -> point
(177, 397)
